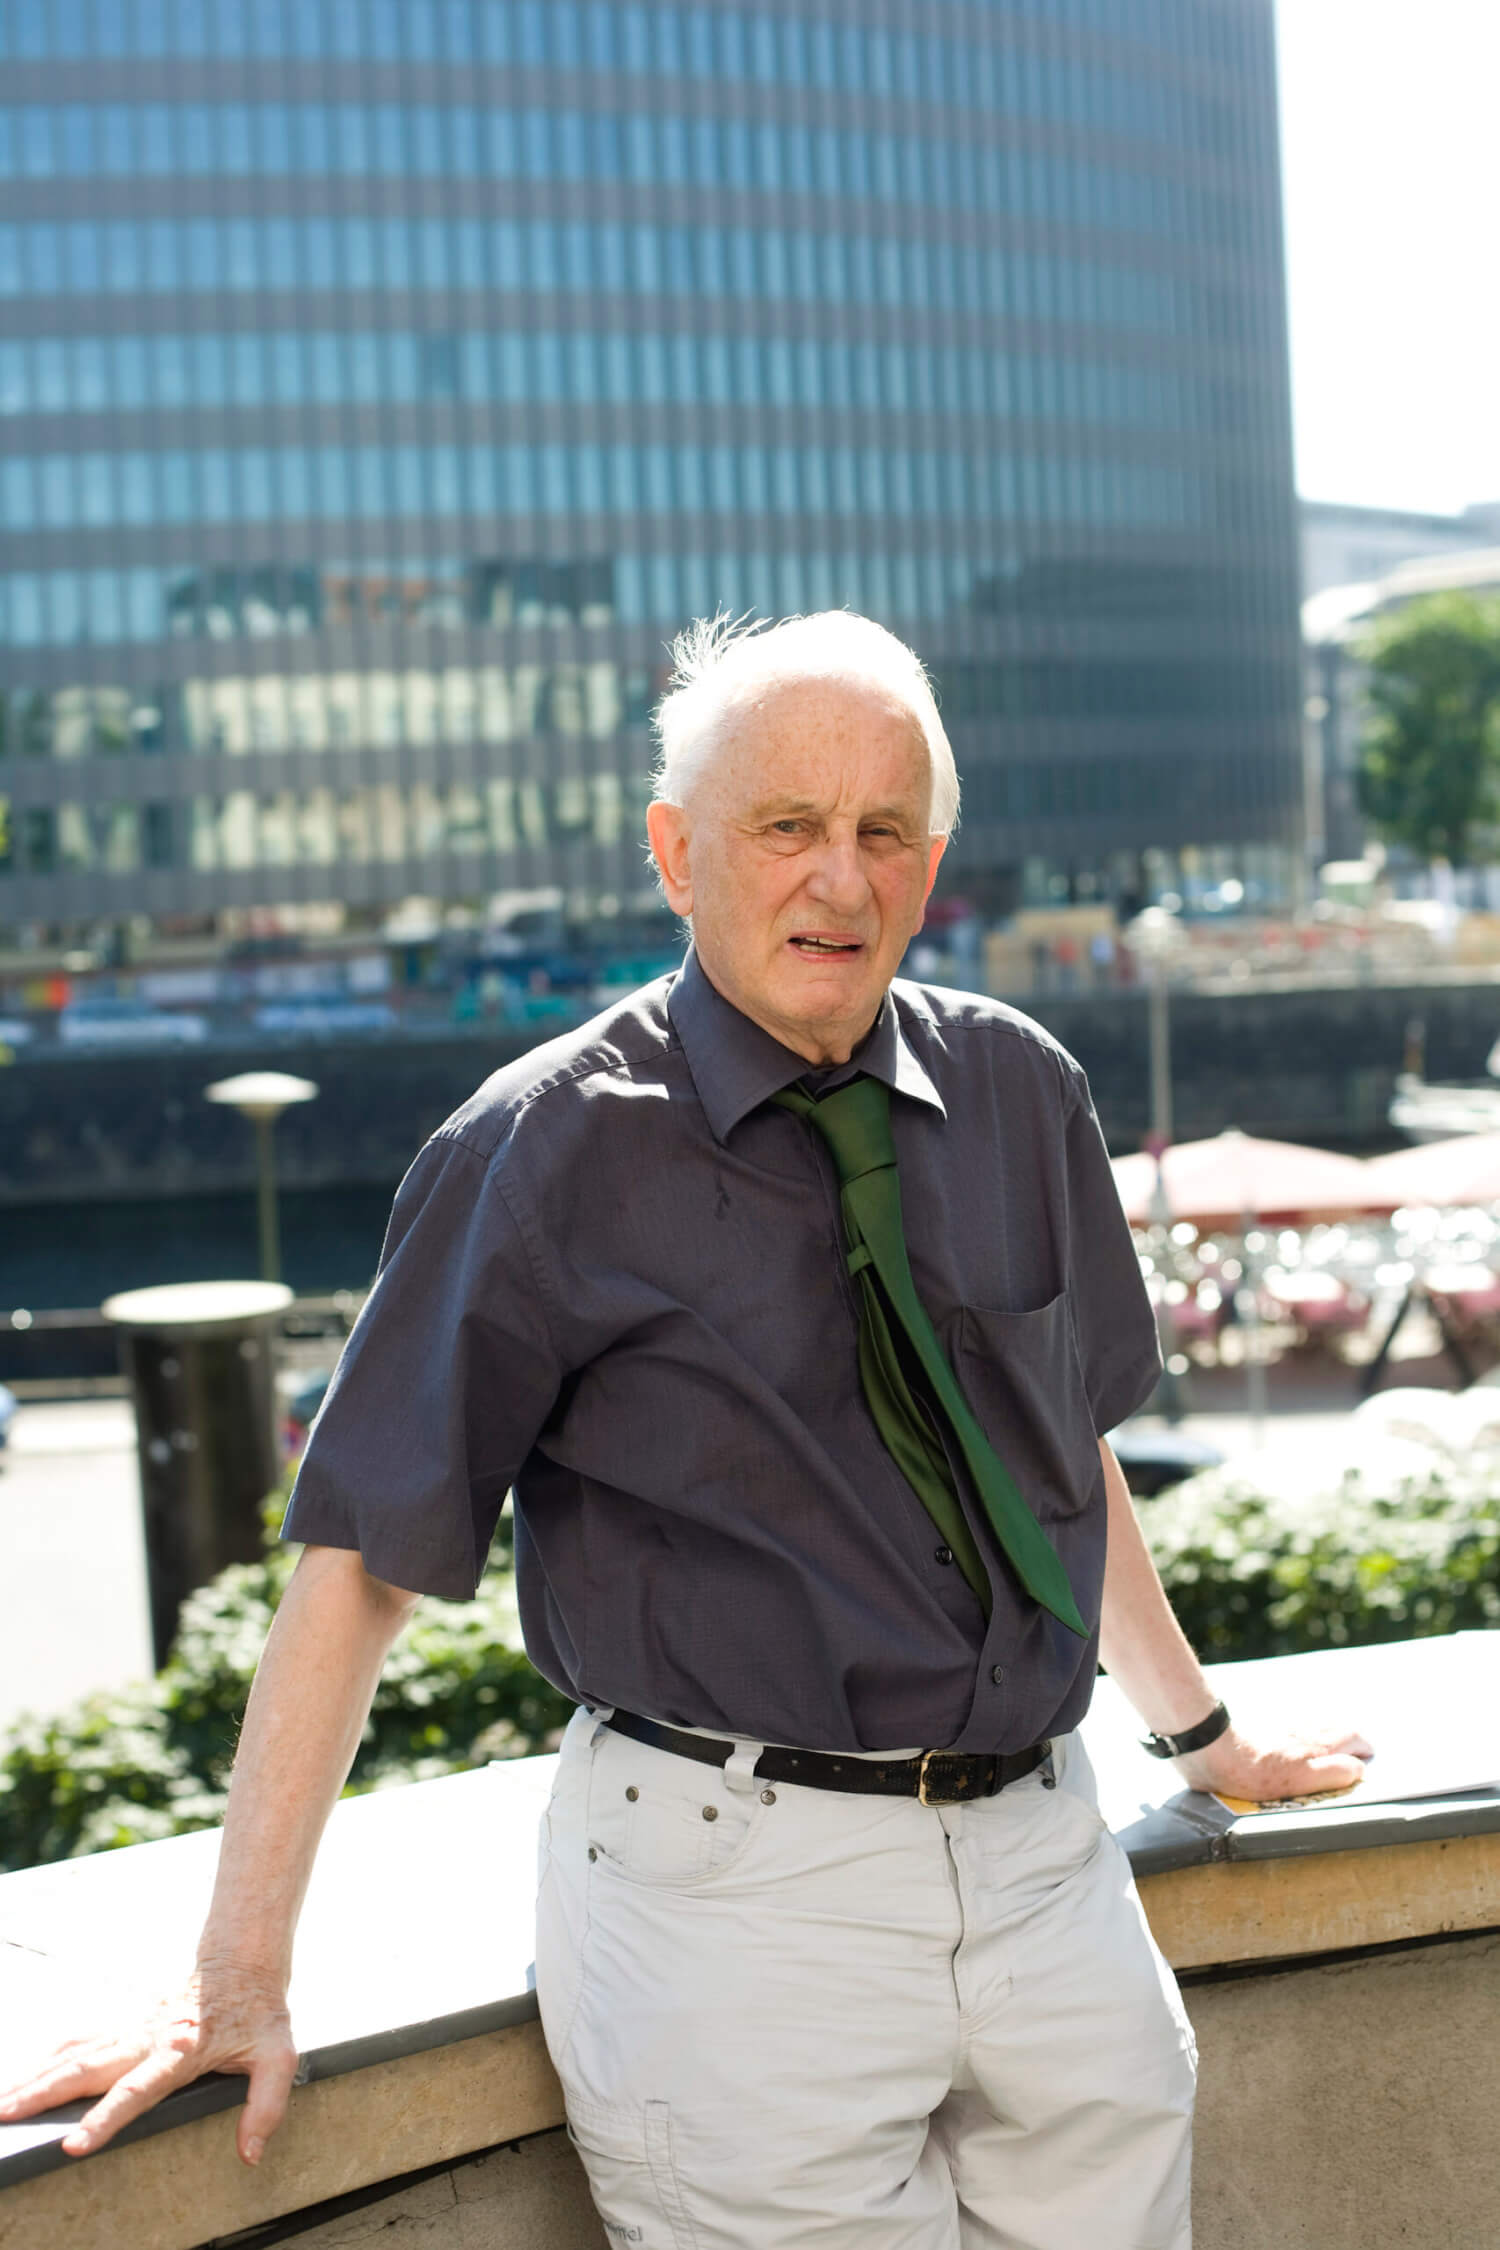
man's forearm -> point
(308, 1706)
(311, 1693)
(1141, 1644)
(1143, 1648)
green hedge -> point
(153, 1760)
(1251, 1573)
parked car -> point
(106, 1022)
(1155, 1459)
(299, 1408)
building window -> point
(38, 832)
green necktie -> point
(856, 1123)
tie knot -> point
(856, 1123)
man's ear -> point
(939, 846)
(670, 839)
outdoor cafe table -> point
(1341, 1964)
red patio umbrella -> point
(1465, 1169)
(1218, 1183)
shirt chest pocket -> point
(1021, 1375)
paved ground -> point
(71, 1561)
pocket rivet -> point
(710, 1812)
(768, 1796)
(592, 1853)
(632, 1793)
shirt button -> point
(943, 1555)
(998, 1674)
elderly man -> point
(794, 1303)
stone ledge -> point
(1275, 1909)
(173, 2189)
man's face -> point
(804, 857)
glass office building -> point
(382, 382)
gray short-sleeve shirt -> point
(615, 1281)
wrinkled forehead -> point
(817, 732)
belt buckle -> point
(925, 1796)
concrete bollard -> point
(200, 1359)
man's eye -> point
(787, 827)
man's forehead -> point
(807, 746)
(784, 699)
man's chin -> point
(829, 1009)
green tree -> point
(1430, 771)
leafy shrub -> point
(153, 1760)
(1255, 1572)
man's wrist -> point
(268, 1968)
(1189, 1739)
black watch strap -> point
(1195, 1738)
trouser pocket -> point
(632, 2174)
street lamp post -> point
(262, 1095)
(1153, 937)
(1161, 1053)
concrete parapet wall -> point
(342, 2135)
(1342, 1966)
(527, 2195)
(1351, 2105)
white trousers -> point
(784, 2017)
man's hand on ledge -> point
(311, 1695)
(225, 2020)
(1300, 1766)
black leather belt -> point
(936, 1777)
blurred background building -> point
(1346, 546)
(1357, 564)
(381, 384)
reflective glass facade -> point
(382, 381)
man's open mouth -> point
(829, 946)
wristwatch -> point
(1195, 1738)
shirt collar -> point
(736, 1065)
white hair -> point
(716, 659)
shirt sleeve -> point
(447, 1377)
(1113, 1320)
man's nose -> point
(837, 875)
